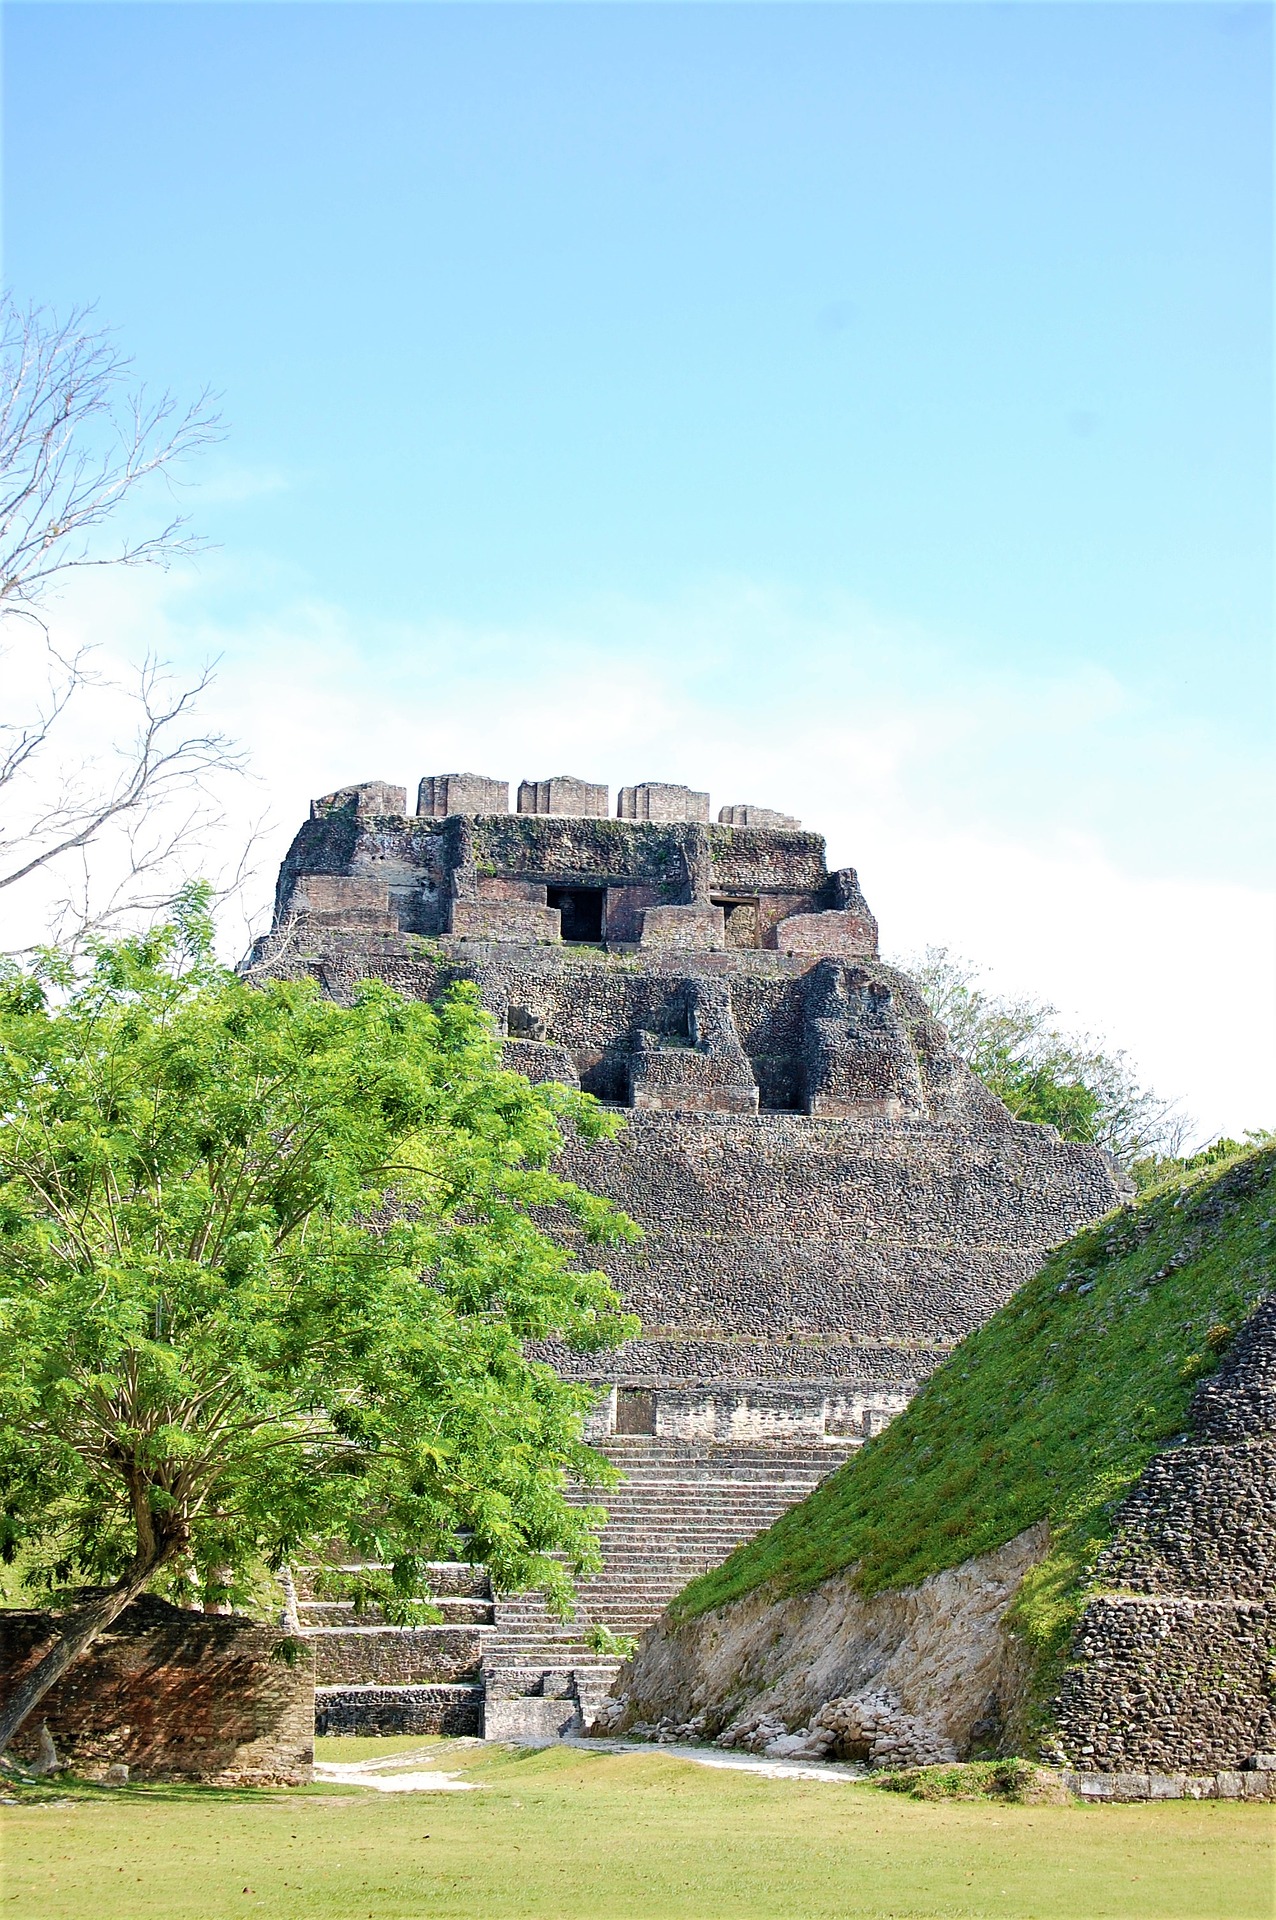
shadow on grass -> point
(66, 1789)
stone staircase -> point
(372, 1678)
(681, 1508)
(502, 1665)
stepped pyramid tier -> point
(830, 1198)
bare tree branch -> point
(74, 444)
(110, 784)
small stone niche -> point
(524, 1023)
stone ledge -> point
(1239, 1785)
(436, 1708)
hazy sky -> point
(864, 410)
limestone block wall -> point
(404, 1656)
(1175, 1665)
(174, 1696)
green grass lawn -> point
(571, 1835)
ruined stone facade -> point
(173, 1695)
(830, 1198)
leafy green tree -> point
(1042, 1073)
(1153, 1168)
(268, 1268)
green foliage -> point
(1048, 1413)
(1017, 1781)
(268, 1268)
(608, 1645)
(1153, 1170)
(1042, 1073)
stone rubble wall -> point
(367, 1710)
(902, 1237)
(1175, 1664)
(174, 1695)
(405, 1656)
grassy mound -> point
(1049, 1412)
(1016, 1782)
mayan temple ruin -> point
(830, 1198)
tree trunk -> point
(79, 1630)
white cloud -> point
(1051, 827)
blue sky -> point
(871, 400)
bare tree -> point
(75, 443)
(110, 789)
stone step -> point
(682, 1509)
(706, 1500)
(334, 1613)
(395, 1656)
(373, 1710)
(726, 1463)
(509, 1678)
(451, 1579)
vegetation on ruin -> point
(268, 1268)
(566, 1834)
(1049, 1412)
(1017, 1782)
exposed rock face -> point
(901, 1678)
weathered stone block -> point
(842, 935)
(515, 920)
(682, 1078)
(563, 793)
(744, 815)
(538, 1061)
(371, 799)
(688, 929)
(530, 1719)
(442, 793)
(174, 1695)
(659, 800)
(496, 887)
(345, 900)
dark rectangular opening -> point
(635, 1410)
(582, 911)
